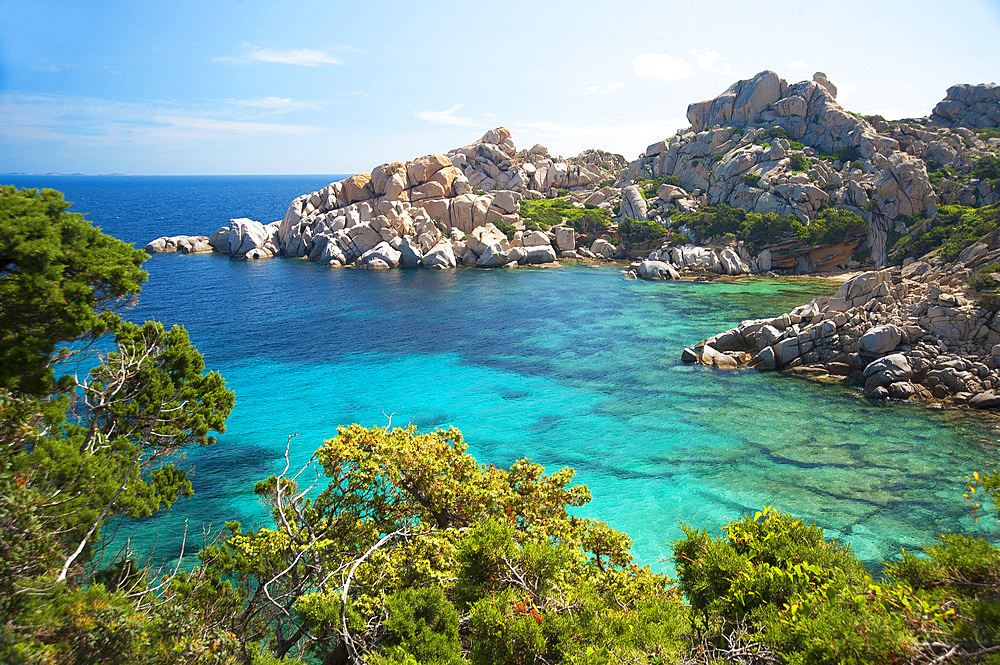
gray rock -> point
(537, 254)
(380, 256)
(885, 371)
(493, 256)
(440, 256)
(689, 355)
(410, 253)
(880, 340)
(602, 247)
(656, 270)
(985, 400)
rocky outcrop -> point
(182, 244)
(969, 106)
(903, 333)
(435, 211)
(765, 145)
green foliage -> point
(75, 453)
(798, 162)
(850, 153)
(649, 186)
(434, 540)
(751, 180)
(950, 231)
(542, 214)
(988, 132)
(633, 230)
(988, 168)
(58, 277)
(983, 279)
(713, 220)
(672, 180)
(507, 229)
(808, 596)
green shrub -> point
(798, 162)
(983, 279)
(856, 164)
(756, 230)
(950, 231)
(988, 300)
(507, 229)
(849, 153)
(542, 214)
(422, 623)
(672, 180)
(987, 168)
(633, 230)
(988, 132)
(751, 179)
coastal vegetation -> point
(947, 233)
(405, 549)
(757, 230)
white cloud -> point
(712, 61)
(278, 104)
(300, 57)
(798, 65)
(592, 89)
(446, 117)
(661, 67)
(87, 122)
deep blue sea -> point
(573, 366)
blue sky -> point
(244, 86)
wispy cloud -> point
(86, 122)
(595, 89)
(277, 105)
(447, 117)
(299, 57)
(665, 67)
(712, 61)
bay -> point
(573, 366)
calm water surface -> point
(572, 366)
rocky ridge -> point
(436, 211)
(765, 145)
(914, 332)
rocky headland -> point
(771, 177)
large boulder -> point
(657, 270)
(602, 247)
(880, 340)
(494, 256)
(410, 253)
(381, 255)
(440, 256)
(885, 371)
(537, 254)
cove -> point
(573, 366)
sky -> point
(266, 87)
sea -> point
(573, 366)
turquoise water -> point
(573, 366)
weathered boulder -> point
(537, 254)
(440, 256)
(493, 256)
(380, 256)
(633, 204)
(603, 248)
(880, 340)
(410, 253)
(656, 270)
(565, 238)
(885, 371)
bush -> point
(633, 230)
(756, 230)
(751, 180)
(983, 279)
(542, 214)
(798, 162)
(950, 231)
(849, 153)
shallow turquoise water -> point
(575, 367)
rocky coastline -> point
(784, 157)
